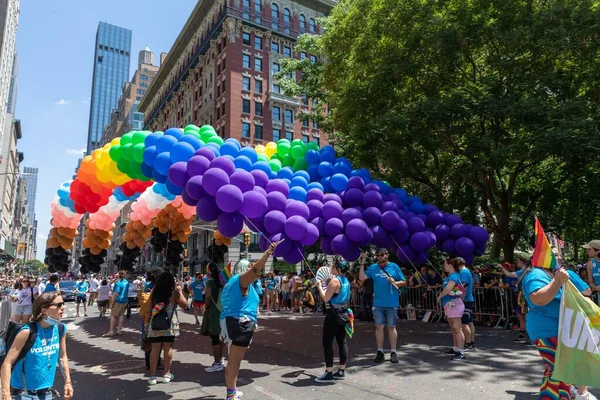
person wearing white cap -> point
(593, 266)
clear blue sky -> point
(55, 45)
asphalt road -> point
(287, 354)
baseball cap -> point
(382, 250)
(593, 244)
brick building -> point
(221, 66)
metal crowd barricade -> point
(491, 306)
(422, 300)
(5, 311)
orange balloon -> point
(140, 242)
(95, 250)
(130, 245)
(127, 237)
(97, 240)
(87, 243)
(163, 229)
(52, 243)
(218, 242)
(54, 232)
(146, 234)
(226, 241)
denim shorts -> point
(385, 315)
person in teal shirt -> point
(542, 289)
(197, 287)
(387, 279)
(120, 300)
(468, 327)
(52, 286)
(239, 315)
(82, 288)
(451, 299)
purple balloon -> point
(319, 222)
(372, 216)
(295, 207)
(187, 199)
(435, 218)
(459, 230)
(230, 224)
(260, 178)
(479, 236)
(229, 198)
(353, 197)
(419, 241)
(178, 174)
(256, 224)
(341, 244)
(278, 185)
(296, 227)
(214, 179)
(432, 238)
(334, 227)
(469, 259)
(194, 187)
(326, 245)
(371, 186)
(197, 165)
(254, 204)
(372, 199)
(314, 208)
(205, 152)
(295, 255)
(312, 235)
(260, 190)
(315, 194)
(452, 220)
(479, 250)
(420, 258)
(282, 248)
(464, 246)
(332, 197)
(356, 182)
(243, 180)
(442, 232)
(380, 237)
(448, 246)
(390, 220)
(274, 221)
(277, 201)
(405, 253)
(332, 209)
(416, 224)
(389, 206)
(400, 235)
(207, 209)
(224, 163)
(263, 243)
(349, 214)
(352, 254)
(357, 230)
(429, 208)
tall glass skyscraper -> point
(111, 71)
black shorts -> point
(238, 331)
(102, 303)
(81, 298)
(467, 316)
(162, 339)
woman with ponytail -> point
(210, 319)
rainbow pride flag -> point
(225, 274)
(350, 325)
(542, 254)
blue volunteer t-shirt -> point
(454, 277)
(197, 288)
(542, 321)
(511, 282)
(122, 288)
(596, 271)
(344, 295)
(237, 305)
(43, 354)
(82, 288)
(270, 283)
(50, 288)
(386, 294)
(467, 281)
(258, 286)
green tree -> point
(485, 107)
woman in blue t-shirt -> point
(336, 295)
(39, 365)
(453, 305)
(239, 315)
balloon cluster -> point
(216, 252)
(127, 258)
(62, 209)
(58, 254)
(136, 234)
(456, 238)
(128, 154)
(61, 237)
(96, 240)
(221, 240)
(171, 219)
(90, 262)
(58, 259)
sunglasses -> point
(381, 255)
(58, 305)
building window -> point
(143, 84)
(276, 135)
(257, 85)
(138, 98)
(311, 25)
(246, 61)
(223, 109)
(304, 100)
(305, 123)
(258, 43)
(305, 139)
(258, 132)
(289, 135)
(246, 106)
(276, 88)
(289, 116)
(224, 62)
(140, 91)
(246, 38)
(314, 103)
(303, 55)
(258, 64)
(100, 59)
(302, 23)
(246, 6)
(276, 114)
(246, 83)
(316, 140)
(245, 129)
(276, 68)
(258, 11)
(315, 125)
(313, 59)
(287, 20)
(287, 51)
(274, 17)
(143, 77)
(258, 109)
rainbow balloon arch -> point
(292, 190)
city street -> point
(286, 355)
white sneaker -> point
(215, 367)
(238, 395)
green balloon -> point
(135, 170)
(297, 142)
(137, 152)
(300, 165)
(126, 138)
(262, 157)
(138, 137)
(297, 152)
(283, 149)
(288, 161)
(215, 139)
(206, 135)
(115, 152)
(143, 178)
(311, 146)
(191, 128)
(277, 157)
(283, 141)
(126, 151)
(193, 133)
(206, 128)
(275, 165)
(123, 165)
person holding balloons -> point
(336, 295)
(239, 316)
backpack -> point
(11, 333)
(143, 298)
(162, 320)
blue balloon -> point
(235, 142)
(289, 183)
(298, 193)
(328, 149)
(417, 208)
(285, 173)
(299, 181)
(403, 195)
(193, 140)
(303, 174)
(339, 182)
(150, 154)
(262, 166)
(312, 157)
(314, 185)
(164, 143)
(328, 156)
(162, 163)
(273, 175)
(214, 148)
(243, 162)
(175, 132)
(152, 138)
(250, 153)
(342, 168)
(325, 182)
(158, 177)
(172, 188)
(325, 169)
(147, 170)
(229, 148)
(343, 160)
(313, 172)
(182, 151)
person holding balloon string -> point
(335, 295)
(452, 302)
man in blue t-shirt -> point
(468, 327)
(82, 287)
(119, 301)
(387, 278)
(197, 287)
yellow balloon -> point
(104, 175)
(271, 145)
(260, 149)
(96, 153)
(115, 142)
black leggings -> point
(331, 330)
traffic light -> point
(247, 239)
